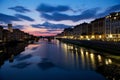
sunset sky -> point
(50, 17)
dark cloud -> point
(48, 8)
(24, 17)
(86, 14)
(52, 30)
(50, 25)
(19, 9)
(8, 18)
(109, 10)
(90, 13)
(18, 26)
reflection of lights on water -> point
(82, 57)
(108, 61)
(71, 47)
(99, 58)
(77, 61)
(86, 53)
(92, 55)
(87, 59)
(65, 46)
(92, 60)
(81, 50)
(76, 49)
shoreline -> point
(111, 49)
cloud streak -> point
(20, 9)
(44, 8)
(51, 26)
(8, 18)
(87, 14)
(24, 17)
(109, 10)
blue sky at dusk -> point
(49, 17)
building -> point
(98, 29)
(105, 29)
(68, 33)
(10, 28)
(112, 24)
(84, 31)
(7, 36)
(10, 34)
(80, 31)
(77, 32)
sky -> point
(50, 17)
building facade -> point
(112, 24)
(10, 34)
(105, 29)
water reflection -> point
(84, 58)
(8, 52)
(21, 65)
(56, 60)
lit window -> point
(114, 18)
(110, 36)
(100, 36)
(93, 36)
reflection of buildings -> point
(10, 52)
(78, 57)
(10, 34)
(106, 29)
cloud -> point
(8, 18)
(24, 17)
(19, 9)
(113, 8)
(109, 10)
(50, 25)
(87, 14)
(44, 8)
(18, 26)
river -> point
(53, 60)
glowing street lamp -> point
(100, 36)
(93, 36)
(110, 36)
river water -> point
(53, 60)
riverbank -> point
(112, 48)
